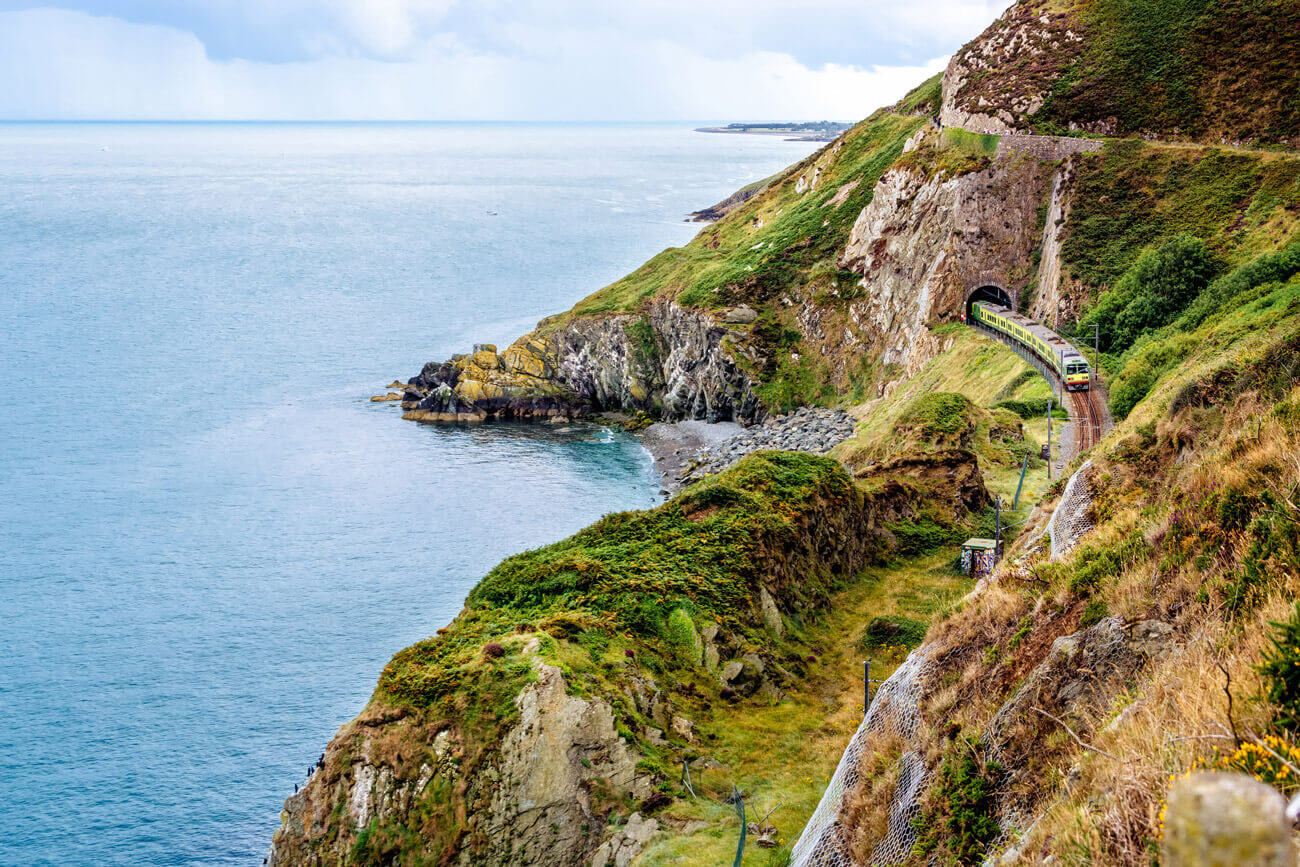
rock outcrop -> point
(671, 362)
(536, 797)
(996, 81)
(1219, 819)
(925, 243)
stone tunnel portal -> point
(990, 293)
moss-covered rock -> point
(608, 651)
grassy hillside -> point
(1195, 499)
(774, 239)
(1200, 69)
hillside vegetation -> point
(603, 699)
(1204, 70)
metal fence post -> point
(739, 800)
(866, 686)
(1023, 466)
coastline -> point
(674, 445)
(786, 134)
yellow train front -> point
(1077, 377)
(1063, 358)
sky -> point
(545, 60)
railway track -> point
(1088, 418)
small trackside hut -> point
(978, 557)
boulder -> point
(771, 614)
(742, 315)
(1217, 820)
(626, 843)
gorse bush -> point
(641, 574)
(1270, 268)
(1281, 671)
(962, 820)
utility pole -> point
(1096, 343)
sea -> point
(211, 540)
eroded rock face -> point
(536, 795)
(540, 812)
(1081, 670)
(670, 362)
(923, 244)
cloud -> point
(425, 59)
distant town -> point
(820, 130)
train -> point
(1059, 355)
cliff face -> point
(668, 361)
(924, 245)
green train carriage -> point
(1055, 352)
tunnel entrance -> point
(991, 294)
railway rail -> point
(1054, 357)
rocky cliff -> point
(667, 361)
(546, 722)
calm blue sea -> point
(210, 540)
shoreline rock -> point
(806, 429)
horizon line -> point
(107, 120)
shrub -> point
(680, 631)
(961, 822)
(1094, 612)
(492, 650)
(1270, 268)
(891, 630)
(1281, 670)
(1159, 286)
(1263, 764)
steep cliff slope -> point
(551, 721)
(567, 694)
(1206, 70)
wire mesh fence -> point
(1071, 519)
(826, 841)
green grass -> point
(738, 260)
(982, 370)
(1133, 196)
(926, 98)
(785, 753)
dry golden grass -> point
(866, 809)
(1177, 714)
